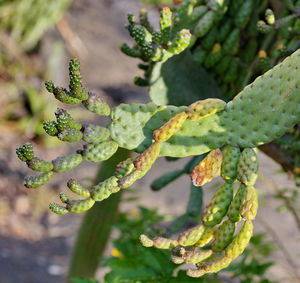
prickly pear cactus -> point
(228, 132)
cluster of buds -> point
(154, 46)
(99, 145)
(213, 245)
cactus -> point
(234, 211)
(66, 163)
(208, 168)
(191, 236)
(38, 180)
(223, 236)
(231, 156)
(227, 130)
(218, 206)
(100, 151)
(37, 164)
(197, 256)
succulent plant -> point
(228, 132)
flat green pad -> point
(262, 112)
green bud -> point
(212, 266)
(50, 128)
(96, 105)
(234, 209)
(37, 164)
(248, 167)
(77, 188)
(104, 189)
(243, 16)
(204, 24)
(223, 64)
(61, 94)
(218, 206)
(77, 206)
(263, 27)
(210, 38)
(197, 256)
(198, 13)
(137, 33)
(270, 17)
(224, 30)
(145, 160)
(223, 236)
(66, 163)
(169, 128)
(124, 168)
(25, 152)
(191, 236)
(165, 24)
(76, 87)
(240, 241)
(144, 21)
(180, 42)
(99, 152)
(58, 209)
(70, 135)
(231, 41)
(95, 134)
(131, 51)
(206, 237)
(37, 180)
(65, 120)
(164, 243)
(230, 161)
(128, 180)
(64, 198)
(249, 204)
(232, 72)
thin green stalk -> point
(96, 226)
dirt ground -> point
(35, 245)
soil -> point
(35, 245)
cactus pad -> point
(66, 163)
(247, 167)
(218, 206)
(240, 241)
(223, 236)
(38, 180)
(208, 168)
(99, 152)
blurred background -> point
(37, 38)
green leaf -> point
(181, 81)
